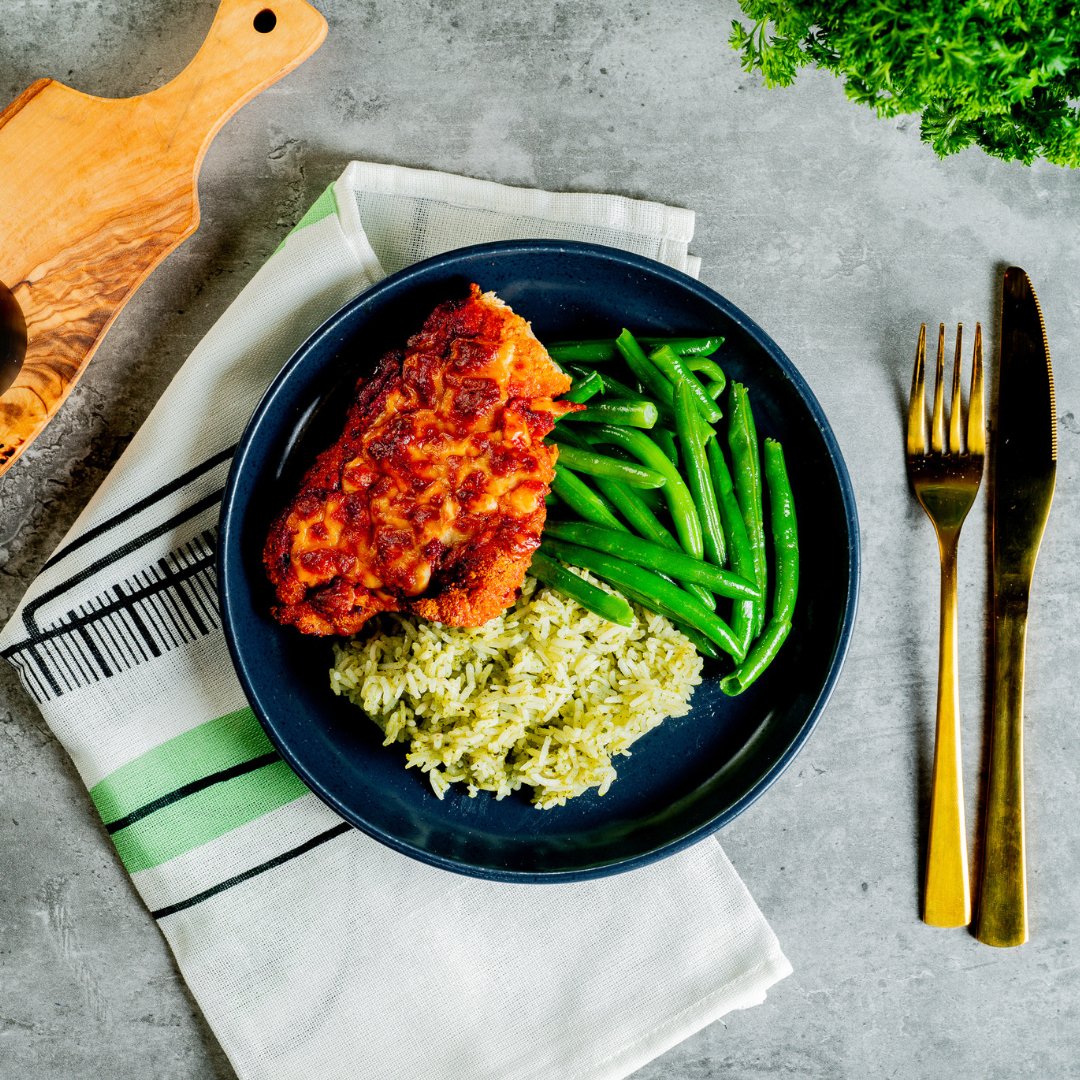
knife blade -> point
(1023, 468)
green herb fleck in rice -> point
(544, 696)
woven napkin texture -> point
(313, 950)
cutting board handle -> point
(251, 44)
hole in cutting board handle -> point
(265, 21)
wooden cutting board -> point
(95, 192)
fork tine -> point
(916, 425)
(954, 403)
(937, 422)
(976, 425)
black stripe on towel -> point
(31, 609)
(143, 504)
(287, 856)
(168, 603)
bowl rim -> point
(402, 280)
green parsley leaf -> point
(1000, 74)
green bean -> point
(608, 606)
(784, 531)
(701, 593)
(643, 496)
(679, 500)
(598, 350)
(743, 616)
(699, 641)
(697, 473)
(757, 659)
(653, 499)
(586, 386)
(710, 369)
(686, 346)
(565, 437)
(632, 506)
(741, 556)
(786, 548)
(618, 389)
(666, 441)
(593, 464)
(631, 503)
(637, 505)
(742, 438)
(641, 552)
(585, 352)
(714, 390)
(646, 372)
(671, 366)
(550, 500)
(663, 596)
(577, 495)
(639, 414)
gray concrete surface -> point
(839, 232)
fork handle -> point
(1002, 918)
(947, 894)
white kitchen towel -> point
(314, 951)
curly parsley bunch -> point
(1001, 74)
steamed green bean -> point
(757, 659)
(597, 350)
(676, 564)
(746, 464)
(607, 605)
(784, 531)
(666, 441)
(688, 426)
(680, 502)
(645, 371)
(712, 371)
(585, 386)
(580, 498)
(741, 557)
(639, 414)
(664, 597)
(672, 512)
(594, 464)
(671, 366)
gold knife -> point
(1023, 464)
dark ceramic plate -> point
(685, 779)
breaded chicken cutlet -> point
(432, 499)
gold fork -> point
(945, 481)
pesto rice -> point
(543, 697)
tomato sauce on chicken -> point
(432, 498)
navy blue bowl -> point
(685, 779)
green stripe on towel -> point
(209, 748)
(322, 207)
(206, 815)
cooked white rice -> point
(543, 696)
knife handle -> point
(1002, 914)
